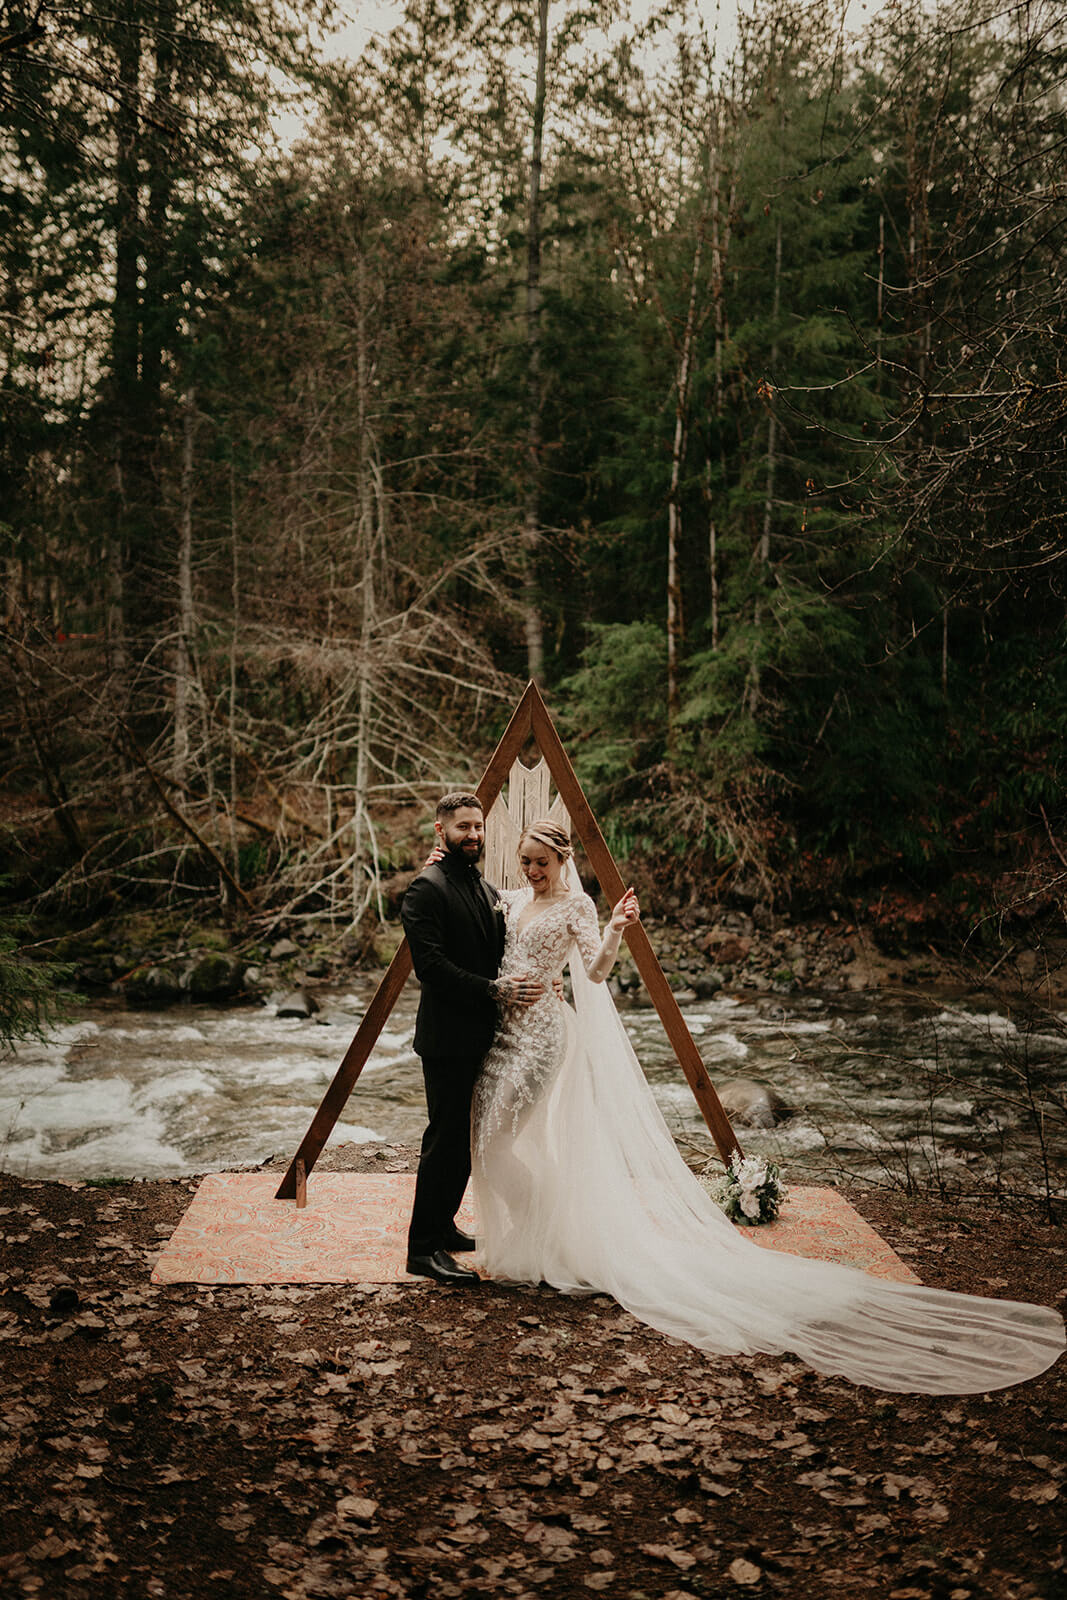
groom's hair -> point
(455, 802)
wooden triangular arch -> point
(531, 718)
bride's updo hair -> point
(554, 838)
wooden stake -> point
(301, 1184)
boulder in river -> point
(298, 1003)
(152, 986)
(283, 950)
(214, 977)
(752, 1104)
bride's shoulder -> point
(582, 905)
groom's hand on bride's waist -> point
(518, 991)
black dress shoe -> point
(459, 1242)
(442, 1268)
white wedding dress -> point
(578, 1184)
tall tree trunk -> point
(720, 241)
(363, 868)
(751, 696)
(881, 302)
(675, 617)
(531, 530)
(944, 650)
(125, 340)
(183, 674)
(235, 599)
(158, 311)
(772, 424)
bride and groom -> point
(577, 1180)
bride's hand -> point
(435, 855)
(626, 913)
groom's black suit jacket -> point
(456, 933)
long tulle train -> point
(591, 1195)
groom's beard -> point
(467, 849)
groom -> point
(455, 929)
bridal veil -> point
(592, 1196)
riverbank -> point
(157, 960)
(405, 1440)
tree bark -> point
(183, 679)
(531, 529)
(158, 311)
(675, 618)
(364, 871)
(125, 338)
(720, 241)
(235, 600)
(772, 425)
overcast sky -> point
(368, 17)
(364, 19)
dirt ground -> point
(409, 1440)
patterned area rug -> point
(354, 1227)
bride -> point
(578, 1184)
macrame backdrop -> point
(527, 801)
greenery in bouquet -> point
(750, 1191)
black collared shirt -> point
(465, 874)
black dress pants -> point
(445, 1160)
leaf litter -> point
(406, 1440)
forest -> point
(723, 393)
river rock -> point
(752, 1104)
(724, 946)
(283, 950)
(152, 986)
(214, 977)
(705, 984)
(298, 1003)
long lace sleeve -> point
(583, 927)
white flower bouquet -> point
(750, 1191)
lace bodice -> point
(531, 1040)
(540, 944)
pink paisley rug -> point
(354, 1227)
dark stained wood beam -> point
(514, 737)
(645, 959)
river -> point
(953, 1091)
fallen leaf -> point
(674, 1414)
(1041, 1493)
(746, 1572)
(353, 1505)
(669, 1552)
